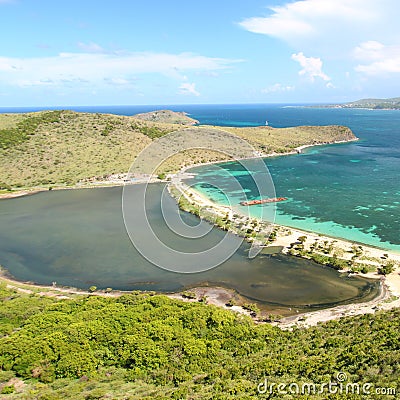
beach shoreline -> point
(292, 234)
(213, 295)
(219, 296)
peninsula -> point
(65, 148)
(371, 104)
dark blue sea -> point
(349, 190)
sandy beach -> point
(387, 300)
(287, 235)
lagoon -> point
(77, 238)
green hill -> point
(63, 147)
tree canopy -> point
(141, 346)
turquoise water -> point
(349, 190)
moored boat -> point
(262, 201)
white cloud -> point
(370, 50)
(98, 68)
(331, 28)
(350, 35)
(188, 89)
(378, 58)
(283, 27)
(305, 18)
(312, 67)
(277, 87)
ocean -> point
(349, 190)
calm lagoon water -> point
(77, 238)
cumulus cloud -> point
(356, 32)
(102, 67)
(188, 89)
(377, 58)
(277, 87)
(302, 19)
(312, 67)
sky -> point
(131, 52)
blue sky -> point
(56, 53)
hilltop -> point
(167, 116)
(64, 147)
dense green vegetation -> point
(145, 346)
(153, 132)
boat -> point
(262, 201)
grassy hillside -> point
(63, 147)
(144, 346)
